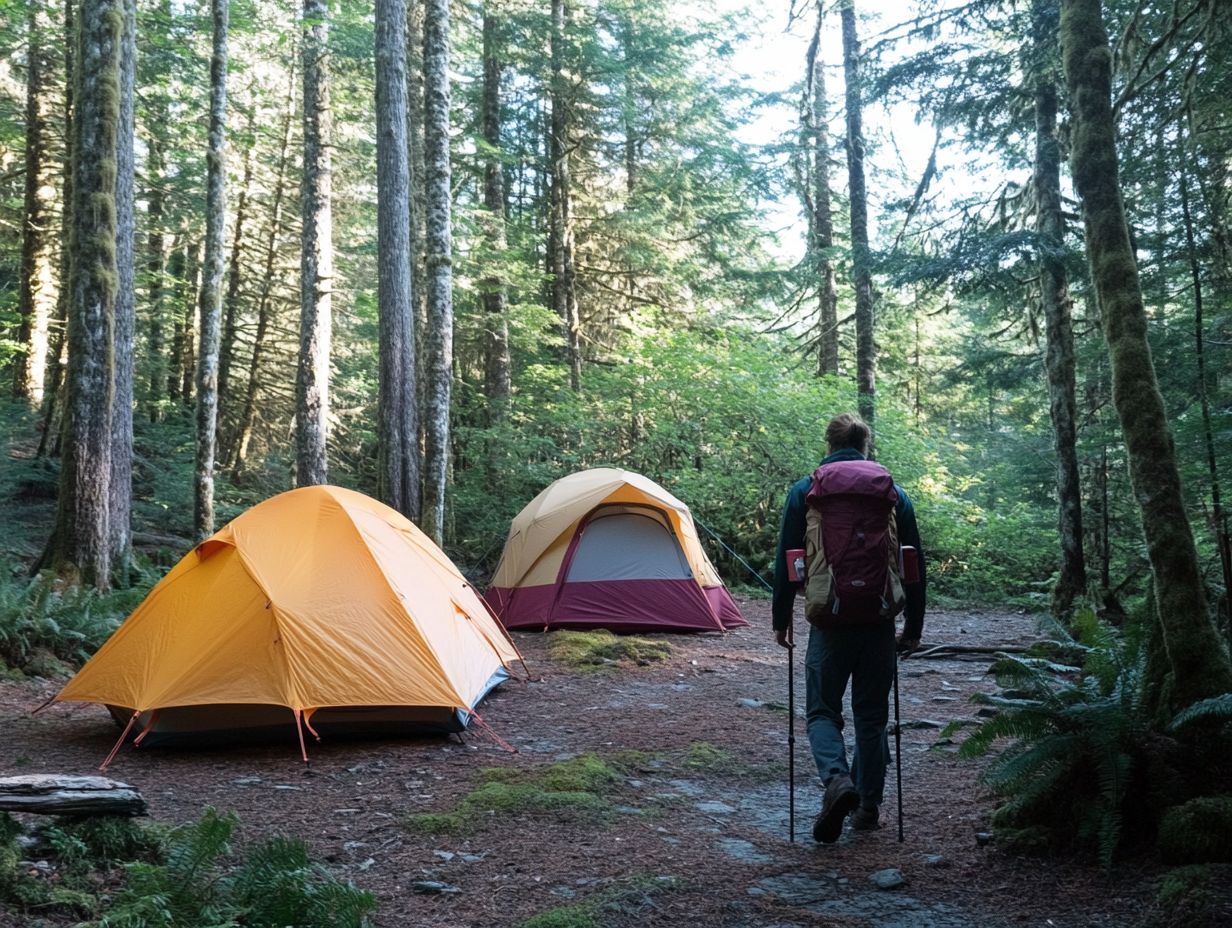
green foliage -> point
(275, 885)
(1185, 899)
(42, 622)
(705, 756)
(96, 841)
(601, 648)
(1084, 762)
(1198, 831)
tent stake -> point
(116, 750)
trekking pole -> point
(898, 752)
(791, 733)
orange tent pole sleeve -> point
(299, 730)
(116, 750)
(488, 730)
(308, 723)
(145, 731)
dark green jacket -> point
(791, 535)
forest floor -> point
(694, 830)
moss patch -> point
(600, 648)
(628, 899)
(705, 756)
(574, 789)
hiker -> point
(861, 649)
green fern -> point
(1217, 708)
(1078, 739)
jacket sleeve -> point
(917, 593)
(791, 535)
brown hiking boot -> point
(866, 818)
(840, 798)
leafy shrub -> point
(1085, 764)
(276, 885)
(42, 621)
(1198, 831)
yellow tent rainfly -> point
(319, 608)
(611, 549)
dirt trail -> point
(696, 828)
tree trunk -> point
(156, 246)
(398, 471)
(498, 384)
(79, 547)
(440, 271)
(317, 256)
(39, 284)
(1056, 305)
(419, 232)
(231, 302)
(248, 416)
(564, 292)
(821, 222)
(57, 360)
(866, 358)
(1196, 655)
(1218, 520)
(120, 489)
(211, 281)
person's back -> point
(862, 652)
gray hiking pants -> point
(865, 655)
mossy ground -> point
(601, 648)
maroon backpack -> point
(851, 545)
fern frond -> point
(1217, 708)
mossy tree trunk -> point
(79, 548)
(1056, 304)
(120, 489)
(1198, 660)
(418, 218)
(561, 250)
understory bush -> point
(179, 877)
(44, 623)
(1088, 766)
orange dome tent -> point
(319, 606)
(608, 548)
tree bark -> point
(1218, 519)
(439, 268)
(398, 470)
(419, 232)
(821, 221)
(1199, 663)
(120, 490)
(265, 310)
(564, 291)
(1056, 305)
(498, 383)
(79, 548)
(39, 284)
(866, 357)
(231, 302)
(155, 263)
(317, 256)
(211, 280)
(57, 360)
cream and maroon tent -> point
(319, 605)
(612, 549)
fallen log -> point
(946, 650)
(51, 794)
